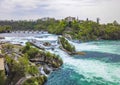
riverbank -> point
(32, 64)
(98, 66)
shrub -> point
(66, 45)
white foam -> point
(98, 47)
(92, 68)
(89, 68)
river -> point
(100, 65)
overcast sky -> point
(106, 10)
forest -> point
(5, 28)
(84, 30)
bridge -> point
(29, 31)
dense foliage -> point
(18, 64)
(18, 69)
(82, 30)
(66, 45)
(89, 30)
(51, 25)
(2, 77)
(5, 28)
(35, 81)
(18, 60)
(46, 57)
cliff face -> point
(1, 63)
(29, 62)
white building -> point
(69, 19)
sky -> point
(106, 10)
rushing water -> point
(100, 65)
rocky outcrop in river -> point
(28, 64)
(67, 47)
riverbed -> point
(100, 65)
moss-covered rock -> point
(2, 78)
(69, 48)
(36, 80)
(46, 44)
(23, 61)
(66, 45)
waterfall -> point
(100, 65)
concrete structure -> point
(70, 19)
(30, 31)
(87, 19)
(98, 20)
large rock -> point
(46, 44)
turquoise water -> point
(100, 65)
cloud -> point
(10, 5)
(107, 10)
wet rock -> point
(46, 44)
